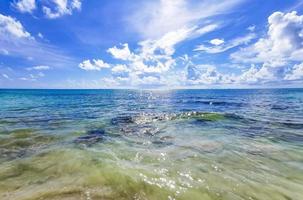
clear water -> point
(131, 144)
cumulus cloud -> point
(25, 5)
(163, 24)
(11, 28)
(147, 81)
(120, 69)
(153, 60)
(51, 8)
(60, 8)
(284, 40)
(264, 74)
(249, 76)
(296, 73)
(279, 49)
(120, 53)
(155, 56)
(94, 65)
(205, 75)
(146, 63)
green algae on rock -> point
(21, 142)
(203, 116)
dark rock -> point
(92, 137)
(161, 143)
(122, 120)
(164, 138)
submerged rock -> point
(291, 125)
(122, 120)
(142, 124)
(92, 137)
(167, 137)
(22, 142)
(145, 124)
(164, 141)
(147, 118)
(140, 130)
(205, 116)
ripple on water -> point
(22, 142)
(72, 173)
(156, 156)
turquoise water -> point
(131, 144)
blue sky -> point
(151, 43)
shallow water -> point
(130, 144)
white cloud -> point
(205, 75)
(25, 5)
(11, 28)
(33, 77)
(40, 35)
(96, 65)
(266, 73)
(277, 51)
(219, 47)
(153, 19)
(40, 74)
(120, 53)
(51, 8)
(60, 8)
(205, 29)
(216, 41)
(284, 41)
(120, 69)
(296, 73)
(27, 79)
(147, 81)
(257, 75)
(4, 52)
(249, 76)
(152, 60)
(6, 76)
(15, 41)
(251, 28)
(155, 56)
(38, 67)
(163, 24)
(167, 42)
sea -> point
(233, 144)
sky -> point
(153, 44)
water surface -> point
(131, 144)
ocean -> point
(151, 144)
